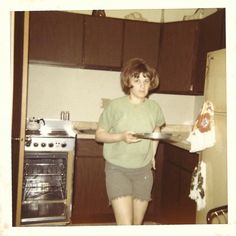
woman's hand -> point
(129, 138)
(105, 137)
(154, 163)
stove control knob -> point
(43, 144)
(36, 144)
(63, 145)
(27, 144)
(50, 144)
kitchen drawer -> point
(89, 148)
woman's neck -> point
(136, 100)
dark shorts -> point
(122, 181)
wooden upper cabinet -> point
(56, 38)
(183, 51)
(103, 43)
(212, 37)
(213, 31)
(177, 49)
(178, 55)
(141, 39)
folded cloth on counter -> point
(202, 135)
(198, 185)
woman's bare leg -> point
(139, 210)
(123, 210)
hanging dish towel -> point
(202, 135)
(198, 185)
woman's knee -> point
(123, 210)
(139, 210)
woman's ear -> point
(129, 85)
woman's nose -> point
(142, 84)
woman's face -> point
(139, 87)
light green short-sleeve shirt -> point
(121, 115)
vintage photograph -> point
(118, 118)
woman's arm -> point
(155, 145)
(105, 137)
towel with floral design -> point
(198, 185)
(202, 135)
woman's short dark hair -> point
(133, 68)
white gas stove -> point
(54, 135)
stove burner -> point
(58, 132)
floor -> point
(102, 224)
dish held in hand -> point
(154, 135)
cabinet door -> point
(141, 39)
(170, 193)
(212, 38)
(103, 43)
(56, 38)
(178, 54)
(213, 28)
(176, 207)
(90, 201)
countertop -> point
(86, 130)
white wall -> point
(54, 89)
(179, 109)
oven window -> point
(44, 186)
(44, 178)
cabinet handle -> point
(17, 139)
(209, 59)
(191, 87)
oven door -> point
(44, 187)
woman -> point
(129, 160)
